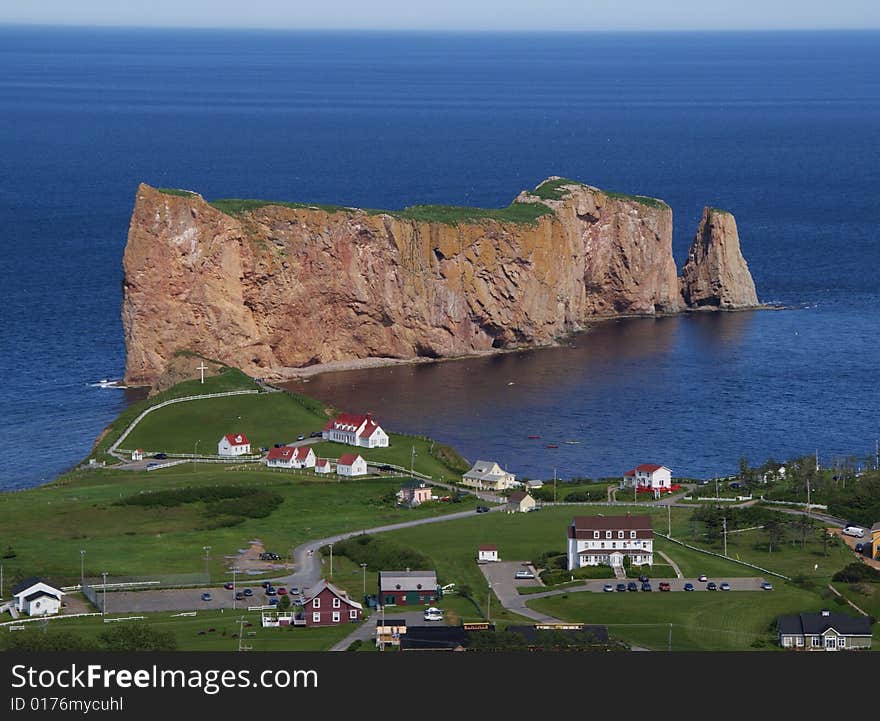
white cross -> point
(202, 368)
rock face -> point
(716, 275)
(276, 287)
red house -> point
(408, 588)
(327, 605)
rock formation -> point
(268, 287)
(716, 274)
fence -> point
(816, 506)
(735, 499)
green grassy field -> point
(266, 419)
(736, 620)
(47, 526)
(195, 634)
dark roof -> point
(531, 634)
(391, 622)
(814, 624)
(27, 583)
(517, 496)
(38, 594)
(488, 547)
(426, 638)
(611, 523)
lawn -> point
(865, 595)
(193, 633)
(266, 419)
(43, 529)
(732, 621)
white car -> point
(433, 614)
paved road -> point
(366, 631)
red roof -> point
(237, 439)
(351, 422)
(321, 462)
(488, 547)
(583, 526)
(285, 453)
(301, 453)
(648, 467)
(348, 459)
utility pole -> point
(104, 604)
(412, 461)
(207, 550)
(240, 633)
(489, 604)
(234, 571)
(331, 560)
(724, 523)
(554, 485)
(669, 519)
(364, 566)
(82, 570)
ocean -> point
(782, 129)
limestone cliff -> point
(268, 287)
(716, 275)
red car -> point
(281, 591)
(228, 586)
(664, 586)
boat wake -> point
(107, 383)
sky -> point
(468, 15)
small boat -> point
(572, 443)
(534, 437)
(551, 445)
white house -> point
(304, 457)
(35, 597)
(487, 553)
(355, 430)
(351, 464)
(137, 455)
(291, 457)
(648, 475)
(234, 444)
(322, 465)
(488, 476)
(595, 540)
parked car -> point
(646, 586)
(206, 596)
(385, 467)
(859, 547)
(643, 579)
(766, 586)
(688, 586)
(433, 614)
(280, 445)
(248, 592)
(711, 586)
(608, 588)
(524, 574)
(664, 586)
(300, 438)
(725, 586)
(482, 509)
(266, 584)
(273, 601)
(294, 591)
(271, 591)
(161, 456)
(703, 578)
(239, 596)
(228, 586)
(632, 586)
(152, 464)
(621, 587)
(282, 591)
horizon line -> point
(439, 31)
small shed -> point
(487, 553)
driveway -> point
(366, 631)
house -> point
(351, 464)
(414, 493)
(434, 638)
(280, 457)
(489, 476)
(35, 597)
(234, 444)
(137, 455)
(648, 476)
(487, 553)
(872, 547)
(322, 465)
(534, 485)
(408, 588)
(389, 631)
(595, 540)
(520, 502)
(355, 430)
(328, 605)
(824, 631)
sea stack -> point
(716, 276)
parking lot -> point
(180, 599)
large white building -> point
(489, 476)
(595, 540)
(35, 597)
(355, 430)
(234, 444)
(648, 475)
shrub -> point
(856, 573)
(137, 637)
(258, 504)
(355, 645)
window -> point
(632, 534)
(786, 641)
(603, 544)
(336, 617)
(613, 544)
(353, 614)
(607, 534)
(595, 534)
(817, 642)
(316, 618)
(800, 640)
(841, 642)
(316, 603)
(620, 534)
(336, 602)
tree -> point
(137, 637)
(284, 603)
(775, 532)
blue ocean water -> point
(781, 128)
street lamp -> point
(489, 604)
(234, 571)
(364, 566)
(104, 604)
(207, 550)
(331, 560)
(82, 569)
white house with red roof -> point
(351, 464)
(322, 465)
(137, 455)
(487, 553)
(234, 444)
(328, 605)
(355, 430)
(649, 476)
(595, 540)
